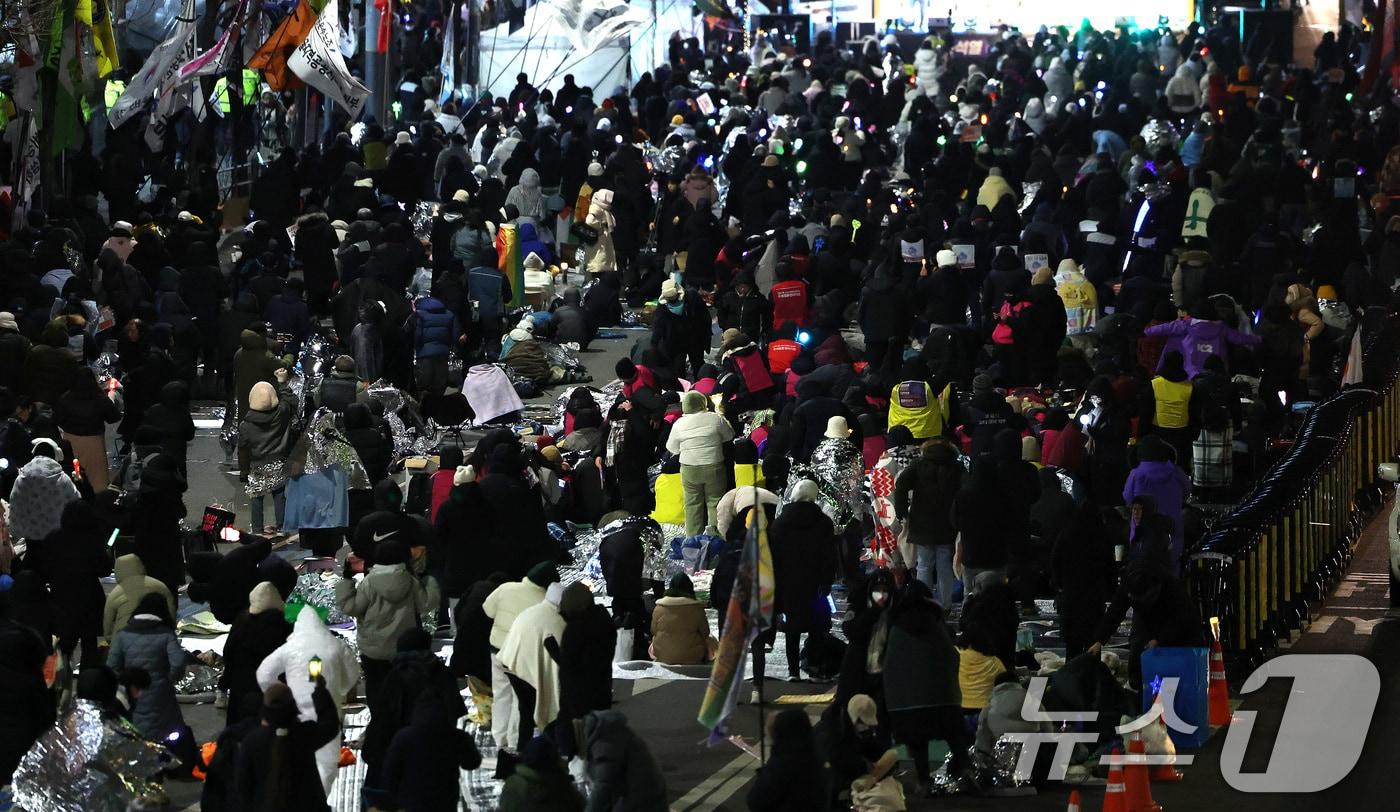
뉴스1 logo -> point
(1320, 737)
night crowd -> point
(968, 336)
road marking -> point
(742, 765)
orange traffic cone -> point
(1138, 787)
(1115, 797)
(1073, 801)
(1219, 689)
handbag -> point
(584, 233)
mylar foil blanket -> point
(90, 761)
(317, 590)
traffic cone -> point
(1115, 797)
(1073, 801)
(1219, 688)
(1137, 787)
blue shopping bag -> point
(1191, 667)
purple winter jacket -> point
(1201, 338)
(1168, 486)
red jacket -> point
(789, 303)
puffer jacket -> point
(601, 256)
(571, 322)
(267, 435)
(149, 644)
(679, 631)
(310, 638)
(387, 603)
(474, 248)
(437, 329)
(40, 493)
(926, 70)
(133, 584)
(622, 773)
(338, 391)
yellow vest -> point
(912, 404)
(1173, 402)
(114, 90)
(221, 94)
(747, 476)
(670, 507)
(251, 81)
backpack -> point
(129, 475)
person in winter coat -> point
(133, 585)
(14, 347)
(1164, 614)
(600, 255)
(255, 633)
(622, 773)
(374, 449)
(415, 675)
(699, 437)
(389, 601)
(264, 437)
(83, 413)
(982, 514)
(1158, 476)
(340, 387)
(921, 689)
(1203, 335)
(805, 559)
(504, 606)
(540, 781)
(680, 634)
(278, 761)
(532, 671)
(923, 500)
(49, 366)
(252, 364)
(339, 674)
(603, 300)
(170, 418)
(72, 560)
(793, 778)
(1183, 91)
(1081, 570)
(584, 654)
(571, 322)
(517, 524)
(40, 493)
(26, 705)
(471, 649)
(436, 332)
(287, 313)
(420, 773)
(1171, 415)
(148, 643)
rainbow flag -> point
(750, 611)
(512, 265)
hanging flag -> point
(158, 69)
(273, 55)
(386, 20)
(448, 66)
(94, 14)
(65, 119)
(749, 612)
(26, 169)
(221, 57)
(318, 62)
(512, 264)
(172, 96)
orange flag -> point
(272, 56)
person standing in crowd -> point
(389, 601)
(83, 413)
(699, 437)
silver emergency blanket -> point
(266, 478)
(329, 447)
(839, 471)
(998, 771)
(562, 356)
(317, 590)
(90, 761)
(422, 218)
(389, 395)
(201, 678)
(1159, 133)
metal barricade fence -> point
(1262, 566)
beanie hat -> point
(982, 384)
(946, 259)
(463, 475)
(576, 598)
(770, 160)
(7, 321)
(461, 196)
(533, 262)
(543, 574)
(595, 170)
(692, 402)
(805, 491)
(403, 139)
(1043, 276)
